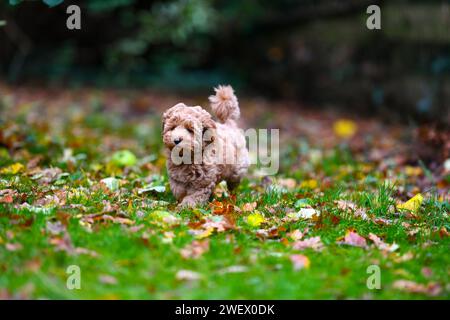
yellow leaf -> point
(413, 171)
(412, 204)
(309, 184)
(13, 169)
(163, 217)
(206, 233)
(345, 128)
(255, 219)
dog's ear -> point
(206, 119)
(209, 126)
(208, 123)
(166, 115)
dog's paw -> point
(187, 203)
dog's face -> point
(185, 127)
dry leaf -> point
(233, 269)
(287, 183)
(299, 261)
(412, 204)
(187, 275)
(353, 239)
(431, 289)
(249, 207)
(345, 128)
(314, 243)
(382, 245)
(107, 279)
(309, 184)
(195, 250)
(296, 234)
(304, 213)
(13, 169)
(13, 246)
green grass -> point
(144, 264)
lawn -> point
(83, 183)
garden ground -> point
(83, 182)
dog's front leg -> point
(197, 196)
(178, 189)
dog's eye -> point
(190, 130)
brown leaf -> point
(314, 243)
(8, 195)
(297, 234)
(353, 239)
(299, 261)
(195, 250)
(107, 279)
(13, 246)
(55, 228)
(431, 289)
(351, 207)
(248, 207)
(382, 245)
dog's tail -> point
(224, 104)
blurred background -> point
(317, 52)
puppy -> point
(202, 152)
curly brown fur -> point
(193, 129)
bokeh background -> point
(317, 52)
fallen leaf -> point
(296, 235)
(168, 237)
(55, 228)
(164, 217)
(47, 176)
(233, 269)
(406, 257)
(158, 189)
(309, 184)
(204, 233)
(299, 261)
(6, 199)
(187, 275)
(314, 243)
(287, 183)
(430, 289)
(382, 245)
(111, 183)
(344, 128)
(412, 204)
(301, 203)
(248, 207)
(413, 171)
(195, 249)
(304, 213)
(222, 208)
(427, 272)
(13, 246)
(107, 279)
(219, 223)
(13, 169)
(255, 219)
(351, 207)
(353, 239)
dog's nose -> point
(177, 140)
